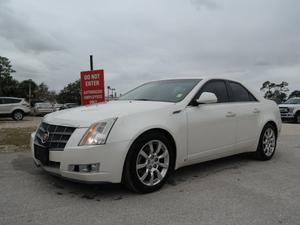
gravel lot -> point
(234, 190)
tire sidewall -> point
(260, 149)
(130, 164)
(297, 120)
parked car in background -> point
(14, 107)
(42, 108)
(34, 101)
(57, 106)
(155, 129)
(290, 110)
(68, 106)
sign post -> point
(92, 87)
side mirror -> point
(207, 98)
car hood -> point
(84, 116)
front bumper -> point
(110, 157)
(287, 115)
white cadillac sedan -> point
(155, 129)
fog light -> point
(85, 168)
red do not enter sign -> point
(92, 87)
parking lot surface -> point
(234, 190)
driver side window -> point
(218, 87)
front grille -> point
(58, 136)
(283, 109)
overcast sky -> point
(140, 40)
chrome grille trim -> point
(58, 136)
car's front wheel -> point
(17, 115)
(149, 162)
(267, 143)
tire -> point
(18, 115)
(267, 143)
(145, 172)
(297, 117)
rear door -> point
(248, 111)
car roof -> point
(196, 78)
(12, 98)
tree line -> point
(71, 93)
(278, 91)
(11, 87)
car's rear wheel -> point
(149, 162)
(17, 115)
(267, 143)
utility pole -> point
(29, 90)
(0, 81)
(108, 88)
(91, 62)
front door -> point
(211, 127)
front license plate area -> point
(41, 153)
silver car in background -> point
(42, 108)
(14, 107)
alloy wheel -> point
(152, 162)
(18, 115)
(269, 142)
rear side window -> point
(239, 93)
(10, 100)
(218, 87)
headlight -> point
(97, 133)
(291, 109)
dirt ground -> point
(15, 135)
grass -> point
(15, 139)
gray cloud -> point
(136, 41)
(210, 4)
(24, 36)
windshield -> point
(162, 91)
(293, 101)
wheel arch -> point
(17, 109)
(167, 134)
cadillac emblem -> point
(45, 137)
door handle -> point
(256, 110)
(230, 114)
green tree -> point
(42, 91)
(70, 93)
(276, 92)
(295, 93)
(23, 89)
(8, 85)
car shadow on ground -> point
(101, 191)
